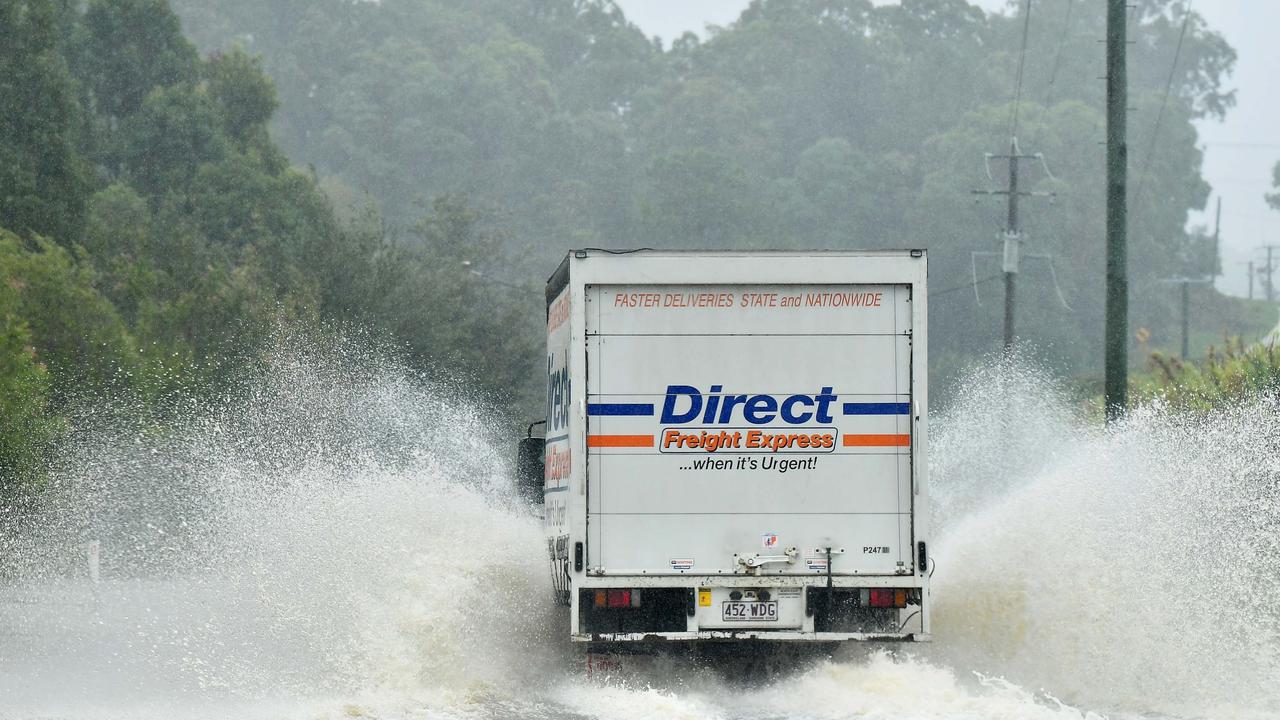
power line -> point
(966, 286)
(1240, 181)
(1216, 143)
(1164, 102)
(1057, 59)
(1022, 63)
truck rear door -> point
(728, 420)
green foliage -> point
(29, 429)
(179, 236)
(244, 96)
(127, 49)
(42, 183)
(173, 133)
(1273, 198)
(445, 295)
(806, 123)
(1232, 375)
(199, 240)
(78, 334)
(700, 196)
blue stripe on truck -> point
(877, 408)
(619, 408)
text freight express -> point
(673, 439)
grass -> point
(1228, 375)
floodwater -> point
(342, 541)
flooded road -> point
(343, 541)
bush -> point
(1227, 376)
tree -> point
(449, 297)
(244, 95)
(75, 331)
(840, 199)
(174, 132)
(698, 198)
(128, 48)
(42, 179)
(805, 123)
(1273, 198)
(29, 428)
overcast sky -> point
(1239, 153)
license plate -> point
(740, 611)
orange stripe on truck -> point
(619, 441)
(877, 440)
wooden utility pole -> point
(1011, 248)
(1186, 315)
(1216, 270)
(1268, 281)
(1116, 392)
(1186, 283)
(1011, 256)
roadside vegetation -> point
(178, 182)
(153, 236)
(1231, 374)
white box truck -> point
(735, 445)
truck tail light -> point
(615, 599)
(888, 598)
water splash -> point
(341, 540)
(340, 525)
(1125, 568)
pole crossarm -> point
(1020, 193)
(1189, 280)
(1267, 272)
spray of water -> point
(341, 539)
(342, 527)
(1128, 568)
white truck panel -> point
(638, 483)
(812, 362)
(661, 358)
(630, 542)
(842, 309)
(744, 361)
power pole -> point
(1011, 247)
(1250, 264)
(1267, 279)
(1186, 313)
(1185, 283)
(1271, 291)
(1216, 270)
(1011, 255)
(1116, 392)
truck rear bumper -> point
(766, 635)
